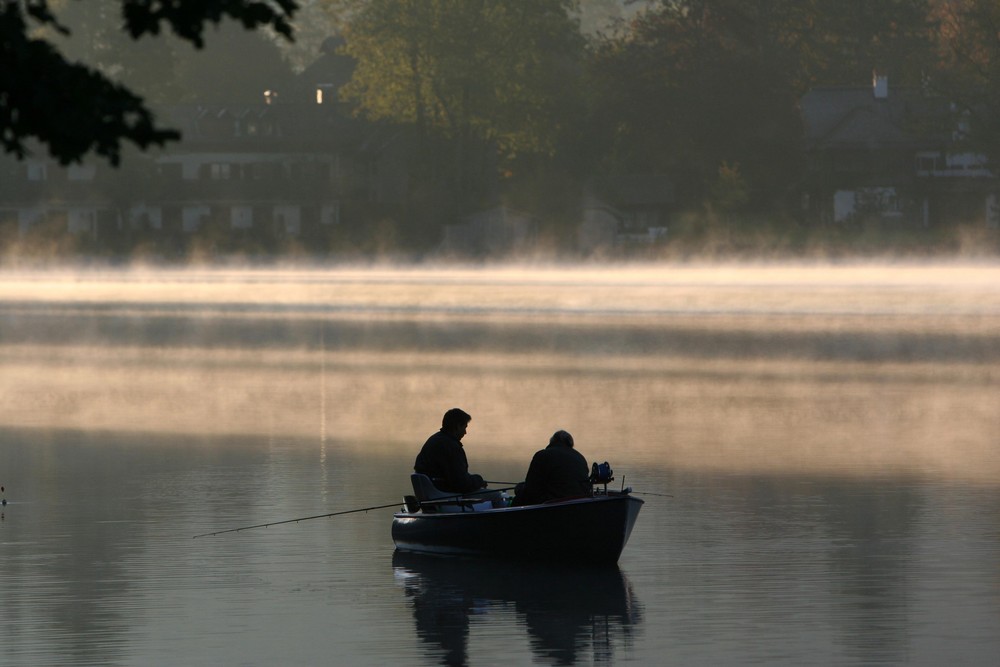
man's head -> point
(561, 439)
(455, 422)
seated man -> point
(442, 457)
(558, 471)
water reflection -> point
(65, 549)
(866, 540)
(569, 614)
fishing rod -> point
(360, 509)
(465, 496)
(302, 518)
(644, 493)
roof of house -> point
(854, 116)
(266, 125)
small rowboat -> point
(592, 529)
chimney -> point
(880, 85)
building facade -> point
(894, 156)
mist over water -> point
(859, 368)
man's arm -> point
(458, 476)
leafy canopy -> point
(490, 70)
(74, 109)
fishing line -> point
(303, 518)
(360, 509)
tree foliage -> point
(479, 72)
(72, 108)
(970, 71)
(694, 84)
(477, 90)
(844, 41)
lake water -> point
(830, 437)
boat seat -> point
(433, 499)
(424, 489)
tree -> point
(72, 108)
(695, 84)
(487, 75)
(213, 76)
(969, 75)
(840, 43)
(234, 66)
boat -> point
(591, 529)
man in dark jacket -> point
(442, 457)
(558, 471)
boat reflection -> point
(571, 615)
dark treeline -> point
(704, 90)
(525, 102)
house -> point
(296, 164)
(891, 155)
(280, 167)
(38, 193)
(272, 170)
(625, 210)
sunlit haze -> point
(857, 367)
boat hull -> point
(584, 530)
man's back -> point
(556, 472)
(442, 458)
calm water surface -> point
(830, 437)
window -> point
(193, 217)
(330, 213)
(241, 217)
(324, 93)
(928, 163)
(220, 171)
(80, 172)
(37, 171)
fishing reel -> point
(601, 473)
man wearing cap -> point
(558, 471)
